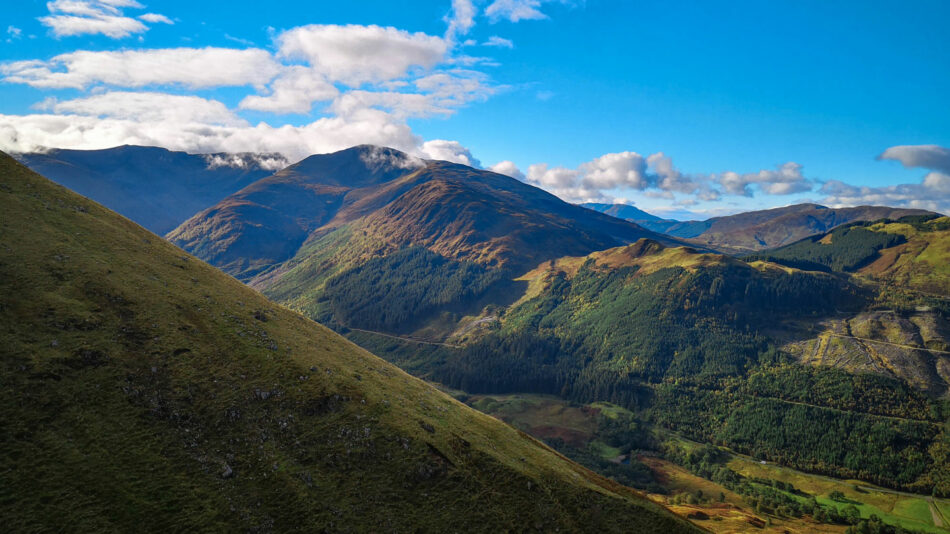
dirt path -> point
(888, 343)
(409, 339)
(937, 516)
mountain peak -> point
(357, 166)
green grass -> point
(135, 376)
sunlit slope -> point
(144, 390)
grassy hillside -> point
(144, 390)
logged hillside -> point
(146, 391)
(912, 253)
(155, 187)
(696, 343)
(758, 230)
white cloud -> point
(932, 194)
(80, 17)
(515, 10)
(156, 18)
(508, 168)
(938, 182)
(294, 91)
(14, 33)
(499, 42)
(26, 133)
(785, 180)
(188, 67)
(245, 160)
(355, 55)
(453, 151)
(461, 20)
(925, 156)
(619, 170)
(150, 107)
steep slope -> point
(758, 230)
(146, 391)
(155, 187)
(266, 222)
(454, 210)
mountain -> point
(146, 391)
(723, 351)
(155, 187)
(758, 230)
(907, 334)
(625, 211)
(387, 225)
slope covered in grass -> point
(145, 390)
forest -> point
(390, 292)
(852, 246)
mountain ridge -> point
(157, 187)
(762, 229)
(309, 200)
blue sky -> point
(682, 108)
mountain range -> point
(757, 230)
(147, 391)
(811, 337)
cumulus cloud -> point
(654, 176)
(294, 91)
(355, 55)
(610, 171)
(28, 133)
(189, 67)
(515, 10)
(461, 20)
(441, 149)
(924, 156)
(499, 42)
(80, 17)
(931, 194)
(150, 107)
(784, 180)
(156, 18)
(508, 168)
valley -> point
(628, 351)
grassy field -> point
(544, 416)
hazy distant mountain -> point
(758, 230)
(144, 391)
(155, 187)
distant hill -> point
(625, 211)
(387, 225)
(144, 390)
(758, 230)
(395, 200)
(155, 187)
